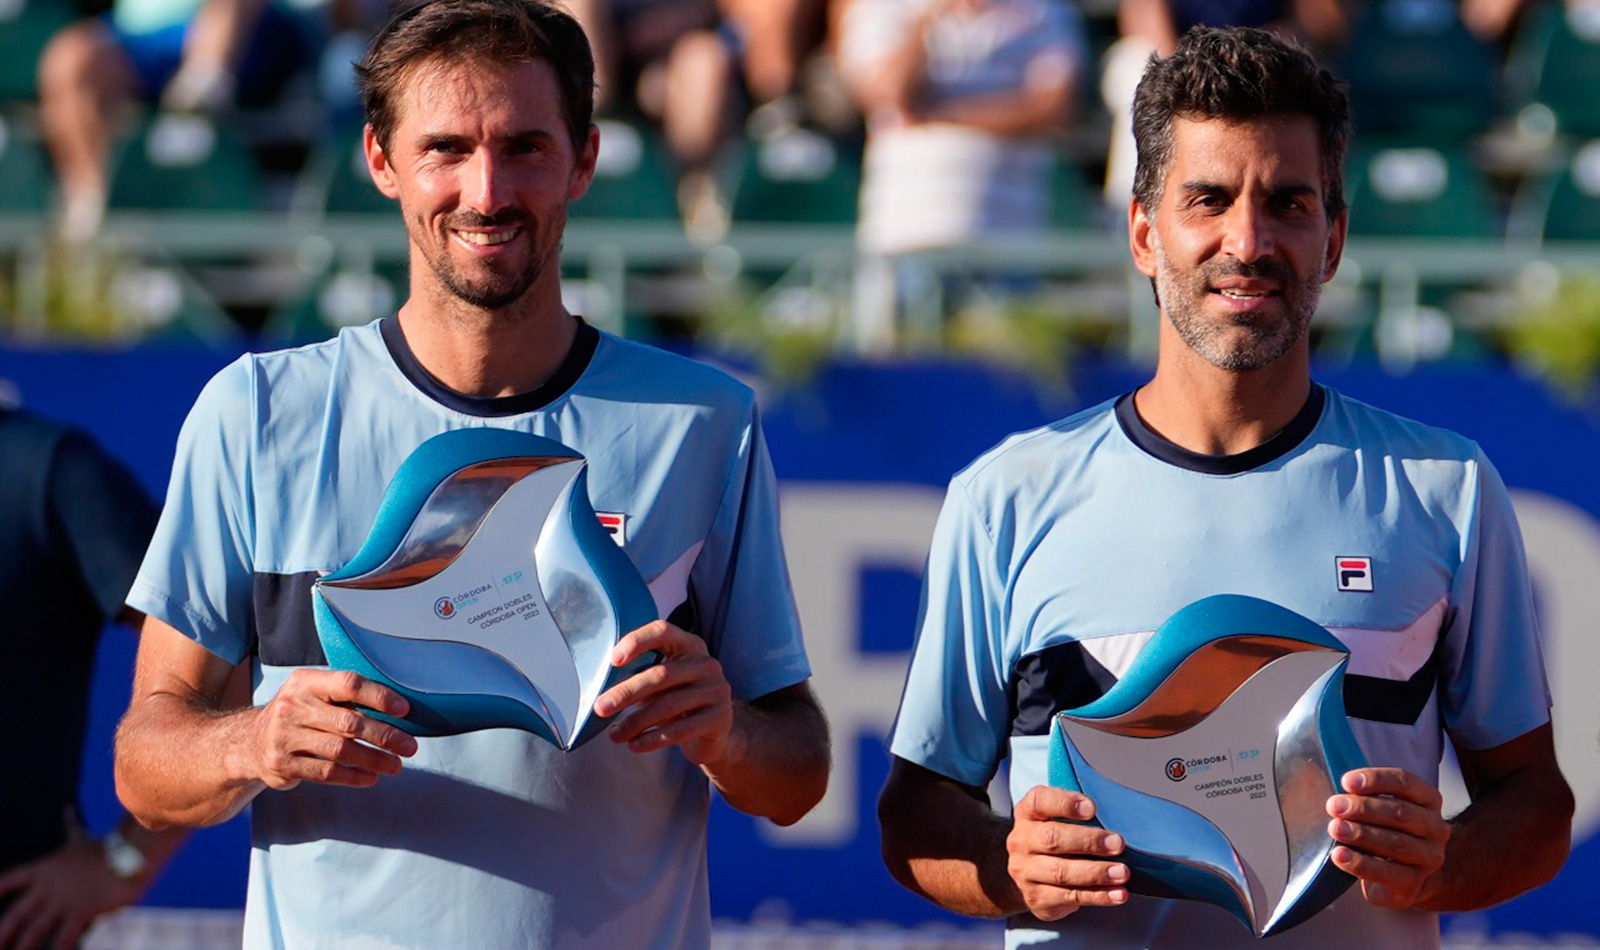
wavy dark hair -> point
(1236, 74)
(503, 32)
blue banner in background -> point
(864, 453)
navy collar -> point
(562, 380)
(1274, 448)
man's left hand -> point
(61, 894)
(1391, 833)
(684, 700)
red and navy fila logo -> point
(1353, 573)
(616, 525)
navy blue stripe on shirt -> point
(286, 630)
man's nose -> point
(1248, 233)
(486, 186)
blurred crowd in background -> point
(920, 135)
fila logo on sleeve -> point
(1353, 573)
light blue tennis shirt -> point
(1062, 549)
(493, 839)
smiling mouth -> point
(1244, 294)
(488, 239)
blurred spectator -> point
(73, 528)
(960, 97)
(632, 41)
(1152, 27)
(188, 55)
(743, 72)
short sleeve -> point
(741, 579)
(1494, 686)
(198, 574)
(954, 716)
(103, 515)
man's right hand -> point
(310, 732)
(1060, 866)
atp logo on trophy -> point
(487, 592)
(1237, 704)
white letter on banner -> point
(830, 532)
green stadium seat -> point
(335, 179)
(1414, 67)
(185, 163)
(1420, 191)
(25, 27)
(633, 177)
(801, 177)
(1563, 205)
(337, 298)
(24, 172)
(1555, 63)
(1076, 204)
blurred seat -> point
(633, 177)
(24, 173)
(1555, 64)
(800, 176)
(344, 294)
(1076, 205)
(1563, 205)
(185, 163)
(25, 27)
(1420, 191)
(1414, 68)
(335, 179)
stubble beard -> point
(1220, 343)
(495, 288)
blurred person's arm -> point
(1148, 20)
(881, 55)
(1043, 104)
(216, 40)
(60, 895)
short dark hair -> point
(1236, 74)
(502, 32)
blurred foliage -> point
(791, 330)
(789, 333)
(1557, 333)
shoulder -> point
(300, 371)
(1040, 455)
(647, 374)
(1372, 429)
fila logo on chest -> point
(1353, 573)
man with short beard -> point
(479, 126)
(1059, 552)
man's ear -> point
(378, 164)
(1141, 238)
(583, 165)
(1335, 253)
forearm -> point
(1512, 838)
(941, 841)
(778, 760)
(179, 763)
(1036, 112)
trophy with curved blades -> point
(1214, 758)
(487, 592)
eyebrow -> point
(1213, 188)
(427, 139)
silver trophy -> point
(487, 592)
(1214, 757)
